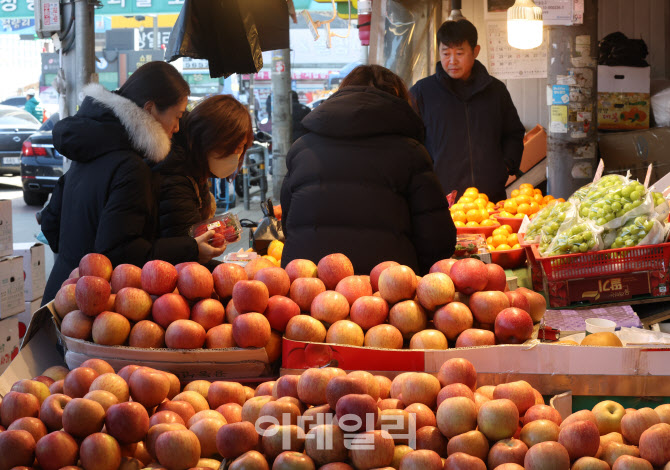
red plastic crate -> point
(535, 268)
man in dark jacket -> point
(473, 131)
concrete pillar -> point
(282, 124)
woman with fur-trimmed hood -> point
(106, 202)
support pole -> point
(282, 125)
(79, 62)
(572, 147)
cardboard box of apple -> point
(464, 302)
(94, 418)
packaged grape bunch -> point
(661, 206)
(578, 236)
(556, 213)
(227, 229)
(613, 205)
(642, 230)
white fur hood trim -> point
(146, 134)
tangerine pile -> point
(526, 200)
(473, 209)
(503, 238)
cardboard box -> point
(550, 368)
(9, 342)
(27, 315)
(188, 365)
(635, 151)
(12, 298)
(534, 150)
(624, 99)
(34, 269)
(6, 235)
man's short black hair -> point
(455, 33)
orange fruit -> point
(548, 198)
(560, 199)
(516, 247)
(484, 196)
(459, 216)
(503, 246)
(465, 199)
(523, 209)
(472, 224)
(526, 192)
(458, 223)
(481, 203)
(474, 215)
(538, 198)
(490, 206)
(537, 191)
(507, 228)
(499, 239)
(513, 239)
(515, 193)
(501, 231)
(468, 206)
(275, 249)
(487, 223)
(456, 207)
(489, 240)
(526, 185)
(523, 199)
(520, 215)
(534, 207)
(510, 206)
(491, 247)
(505, 214)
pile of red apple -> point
(464, 302)
(325, 418)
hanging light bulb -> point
(456, 11)
(524, 25)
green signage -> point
(25, 8)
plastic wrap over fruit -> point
(226, 226)
(578, 236)
(554, 213)
(642, 230)
(611, 206)
(661, 206)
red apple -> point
(580, 439)
(497, 279)
(250, 296)
(536, 412)
(454, 390)
(456, 415)
(220, 337)
(146, 334)
(463, 461)
(51, 411)
(469, 276)
(251, 330)
(305, 328)
(372, 449)
(313, 383)
(112, 383)
(329, 307)
(539, 430)
(170, 307)
(77, 325)
(100, 451)
(518, 300)
(547, 456)
(498, 419)
(369, 311)
(397, 283)
(428, 339)
(298, 268)
(420, 387)
(423, 415)
(231, 312)
(304, 290)
(513, 326)
(276, 280)
(286, 386)
(235, 439)
(195, 282)
(110, 329)
(291, 460)
(345, 332)
(376, 272)
(279, 311)
(519, 392)
(443, 266)
(105, 398)
(149, 387)
(475, 337)
(473, 443)
(225, 277)
(507, 451)
(583, 415)
(635, 423)
(655, 444)
(133, 303)
(354, 287)
(77, 383)
(83, 417)
(182, 408)
(255, 265)
(56, 450)
(452, 319)
(185, 334)
(458, 370)
(178, 449)
(421, 459)
(408, 316)
(95, 264)
(165, 417)
(486, 306)
(435, 290)
(127, 422)
(208, 312)
(333, 268)
(538, 304)
(158, 277)
(221, 393)
(17, 405)
(384, 336)
(92, 294)
(126, 275)
(65, 300)
(17, 449)
(628, 462)
(33, 425)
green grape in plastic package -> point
(612, 206)
(553, 213)
(578, 236)
(661, 206)
(565, 216)
(642, 230)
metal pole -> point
(572, 145)
(282, 124)
(157, 41)
(84, 44)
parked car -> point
(16, 101)
(41, 164)
(16, 125)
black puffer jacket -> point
(106, 202)
(360, 182)
(473, 131)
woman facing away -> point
(106, 202)
(211, 144)
(361, 182)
